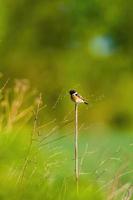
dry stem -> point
(76, 146)
(31, 140)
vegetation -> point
(67, 44)
(46, 49)
(37, 160)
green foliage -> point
(36, 157)
(60, 45)
(49, 173)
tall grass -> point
(36, 161)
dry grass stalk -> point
(76, 147)
(129, 193)
(39, 102)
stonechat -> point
(77, 98)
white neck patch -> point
(75, 93)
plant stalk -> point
(76, 146)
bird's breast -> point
(77, 99)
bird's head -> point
(72, 91)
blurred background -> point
(50, 47)
(61, 45)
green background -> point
(60, 45)
(52, 47)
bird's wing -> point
(78, 95)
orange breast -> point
(76, 99)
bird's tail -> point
(85, 102)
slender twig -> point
(129, 193)
(76, 146)
(36, 114)
(5, 84)
(31, 141)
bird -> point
(77, 98)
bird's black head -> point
(72, 91)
